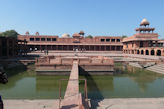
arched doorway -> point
(141, 44)
(138, 52)
(158, 52)
(132, 51)
(147, 52)
(152, 52)
(142, 52)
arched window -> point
(142, 52)
(132, 51)
(138, 52)
(158, 52)
(152, 52)
(147, 52)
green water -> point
(133, 82)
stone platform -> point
(61, 65)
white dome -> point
(144, 22)
(65, 35)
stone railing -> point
(44, 60)
(100, 60)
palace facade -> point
(67, 43)
(144, 42)
(8, 46)
(11, 46)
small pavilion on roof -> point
(144, 42)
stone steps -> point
(149, 64)
(135, 65)
(156, 70)
(159, 68)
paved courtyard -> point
(131, 103)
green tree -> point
(124, 36)
(9, 33)
(89, 36)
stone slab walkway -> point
(72, 98)
(123, 103)
(132, 103)
(31, 104)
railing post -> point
(86, 89)
(36, 61)
(59, 93)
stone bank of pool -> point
(131, 82)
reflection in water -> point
(142, 77)
(92, 86)
(10, 84)
(104, 83)
(129, 82)
(51, 84)
(93, 89)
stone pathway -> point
(123, 103)
(132, 103)
(72, 98)
(31, 104)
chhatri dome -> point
(144, 27)
(81, 32)
(76, 35)
(65, 35)
(144, 22)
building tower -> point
(37, 33)
(144, 27)
(27, 33)
(81, 33)
(144, 42)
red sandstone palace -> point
(144, 42)
(77, 41)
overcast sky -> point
(94, 17)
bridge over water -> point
(73, 99)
